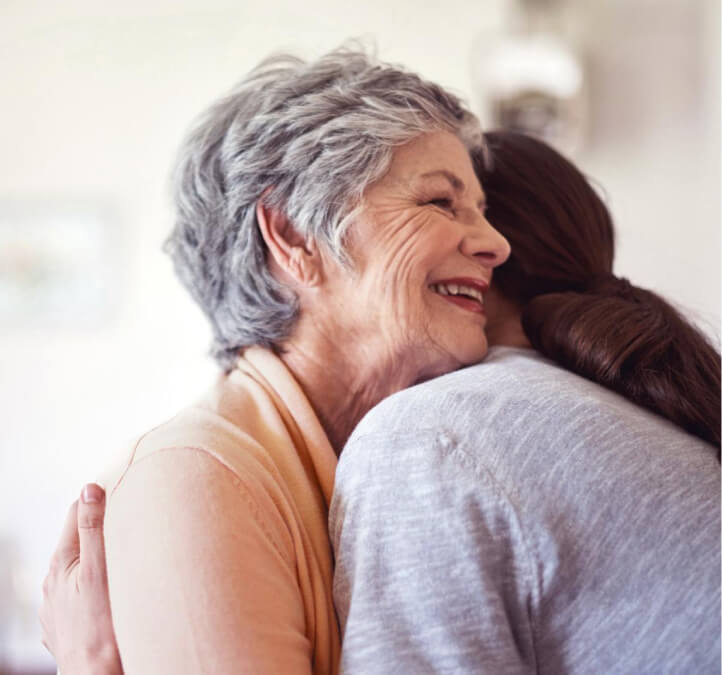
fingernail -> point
(92, 494)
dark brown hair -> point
(574, 310)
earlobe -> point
(293, 255)
(308, 262)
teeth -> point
(457, 289)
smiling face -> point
(423, 254)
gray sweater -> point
(515, 518)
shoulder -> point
(506, 375)
(225, 428)
(512, 391)
(214, 452)
(517, 423)
(517, 398)
(208, 548)
(197, 494)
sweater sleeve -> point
(200, 577)
(404, 507)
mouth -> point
(465, 292)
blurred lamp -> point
(529, 78)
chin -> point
(474, 355)
(472, 349)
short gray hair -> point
(308, 137)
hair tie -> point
(609, 284)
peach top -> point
(216, 534)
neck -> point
(344, 383)
(508, 334)
(345, 376)
(504, 328)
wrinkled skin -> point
(423, 222)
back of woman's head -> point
(574, 310)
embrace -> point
(358, 491)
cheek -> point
(397, 254)
(401, 257)
(423, 246)
(402, 307)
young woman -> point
(514, 517)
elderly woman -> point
(331, 226)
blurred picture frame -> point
(60, 264)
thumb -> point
(91, 513)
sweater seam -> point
(238, 482)
(450, 446)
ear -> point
(290, 253)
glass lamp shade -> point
(534, 84)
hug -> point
(445, 438)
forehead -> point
(431, 157)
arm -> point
(200, 579)
(431, 574)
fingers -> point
(90, 516)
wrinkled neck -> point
(344, 380)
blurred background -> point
(97, 339)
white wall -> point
(96, 98)
(655, 76)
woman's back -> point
(514, 517)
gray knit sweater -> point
(515, 518)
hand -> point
(77, 626)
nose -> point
(485, 243)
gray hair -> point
(308, 138)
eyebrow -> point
(455, 181)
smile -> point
(465, 294)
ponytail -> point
(574, 311)
(636, 344)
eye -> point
(444, 203)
